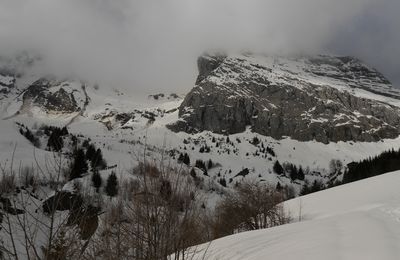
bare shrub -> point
(28, 178)
(7, 183)
(27, 229)
(162, 218)
(251, 206)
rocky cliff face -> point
(54, 96)
(323, 98)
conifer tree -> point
(96, 180)
(279, 187)
(180, 158)
(278, 169)
(193, 173)
(210, 164)
(186, 159)
(79, 165)
(90, 151)
(64, 131)
(293, 172)
(55, 142)
(300, 174)
(112, 185)
(98, 161)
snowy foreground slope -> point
(355, 221)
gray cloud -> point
(152, 45)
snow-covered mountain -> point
(354, 221)
(244, 113)
(321, 98)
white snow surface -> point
(319, 70)
(123, 146)
(360, 220)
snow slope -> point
(355, 221)
(123, 144)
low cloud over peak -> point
(152, 45)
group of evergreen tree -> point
(80, 161)
(255, 141)
(270, 151)
(95, 156)
(55, 134)
(222, 181)
(205, 149)
(30, 136)
(385, 162)
(55, 142)
(184, 158)
(295, 173)
(201, 165)
(79, 164)
(277, 168)
(111, 188)
(314, 187)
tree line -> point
(387, 161)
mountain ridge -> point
(302, 98)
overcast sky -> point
(152, 45)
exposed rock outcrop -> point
(55, 96)
(304, 98)
(80, 214)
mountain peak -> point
(323, 98)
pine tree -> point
(300, 174)
(86, 143)
(279, 187)
(79, 165)
(64, 131)
(112, 185)
(305, 189)
(55, 142)
(97, 180)
(278, 169)
(193, 173)
(222, 181)
(210, 164)
(293, 172)
(186, 159)
(180, 158)
(90, 151)
(98, 161)
(255, 140)
(200, 164)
